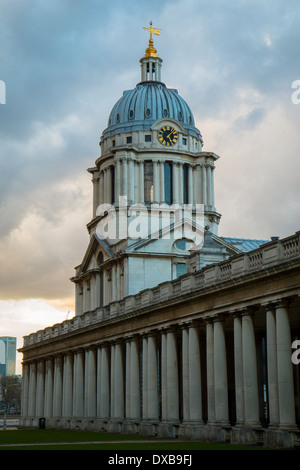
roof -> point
(244, 244)
(149, 101)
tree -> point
(11, 392)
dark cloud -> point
(66, 62)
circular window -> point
(131, 114)
(182, 244)
(118, 117)
(179, 115)
(165, 113)
(148, 112)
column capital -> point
(219, 317)
(193, 323)
(284, 302)
(268, 305)
(248, 311)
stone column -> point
(105, 200)
(164, 412)
(145, 377)
(204, 185)
(32, 390)
(210, 371)
(220, 372)
(124, 178)
(208, 180)
(118, 180)
(142, 190)
(57, 387)
(127, 378)
(134, 380)
(238, 370)
(287, 417)
(212, 187)
(40, 388)
(48, 406)
(172, 377)
(68, 385)
(101, 195)
(185, 373)
(119, 382)
(162, 181)
(95, 194)
(112, 380)
(195, 395)
(25, 390)
(250, 371)
(78, 409)
(91, 383)
(155, 182)
(103, 382)
(272, 366)
(180, 183)
(197, 185)
(152, 378)
(191, 185)
(131, 182)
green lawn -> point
(48, 439)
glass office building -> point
(8, 348)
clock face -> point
(167, 136)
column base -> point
(168, 428)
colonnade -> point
(125, 177)
(175, 375)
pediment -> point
(91, 256)
(164, 240)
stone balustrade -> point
(270, 254)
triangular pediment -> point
(164, 239)
(89, 261)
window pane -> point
(148, 182)
(168, 183)
(180, 269)
(185, 184)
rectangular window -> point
(184, 141)
(129, 140)
(168, 183)
(148, 138)
(185, 184)
(180, 269)
(148, 182)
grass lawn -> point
(49, 439)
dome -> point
(149, 101)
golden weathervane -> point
(151, 51)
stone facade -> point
(206, 356)
(167, 339)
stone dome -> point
(149, 101)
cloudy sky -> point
(66, 62)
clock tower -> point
(153, 193)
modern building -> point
(8, 348)
(178, 331)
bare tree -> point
(10, 392)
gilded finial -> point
(151, 51)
